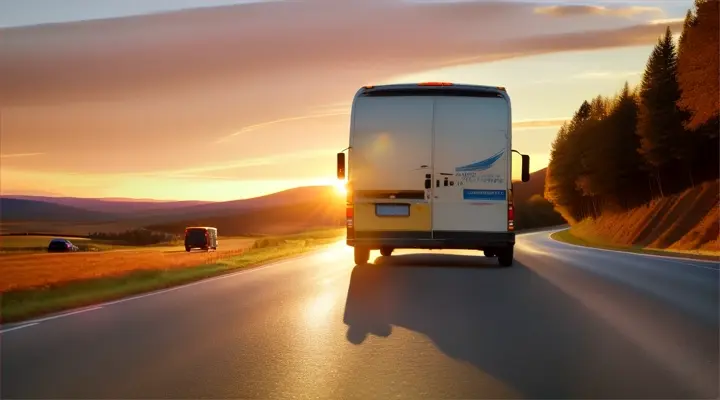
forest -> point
(649, 141)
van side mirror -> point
(525, 167)
(341, 165)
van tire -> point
(362, 255)
(505, 257)
(489, 253)
(386, 251)
(187, 249)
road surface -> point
(564, 322)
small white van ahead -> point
(429, 166)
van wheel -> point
(386, 251)
(505, 257)
(187, 249)
(489, 253)
(362, 255)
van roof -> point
(429, 86)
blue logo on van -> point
(481, 165)
(491, 195)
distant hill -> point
(286, 197)
(532, 209)
(30, 214)
(111, 205)
(319, 213)
(523, 191)
(14, 210)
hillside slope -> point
(286, 197)
(13, 210)
(276, 220)
(686, 221)
(531, 209)
(111, 205)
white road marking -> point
(18, 327)
(678, 260)
(67, 314)
(101, 305)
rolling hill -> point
(274, 220)
(523, 191)
(20, 210)
(286, 197)
(32, 215)
(532, 210)
(111, 205)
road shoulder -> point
(566, 236)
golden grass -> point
(686, 222)
(24, 303)
(22, 271)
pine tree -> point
(698, 65)
(660, 124)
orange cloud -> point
(18, 155)
(289, 49)
(164, 94)
(540, 123)
(579, 10)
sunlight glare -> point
(341, 188)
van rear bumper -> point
(437, 240)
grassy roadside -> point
(28, 303)
(567, 236)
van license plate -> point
(392, 210)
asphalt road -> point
(564, 322)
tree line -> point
(135, 237)
(646, 142)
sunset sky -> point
(163, 99)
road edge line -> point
(669, 258)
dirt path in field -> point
(33, 270)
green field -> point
(34, 244)
(38, 244)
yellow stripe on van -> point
(420, 219)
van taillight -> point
(511, 217)
(349, 216)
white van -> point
(430, 167)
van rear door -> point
(471, 153)
(390, 155)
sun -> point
(340, 188)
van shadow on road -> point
(508, 322)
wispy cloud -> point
(606, 74)
(666, 21)
(538, 123)
(19, 155)
(195, 172)
(262, 125)
(303, 51)
(580, 10)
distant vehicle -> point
(202, 237)
(59, 245)
(430, 167)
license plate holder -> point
(392, 210)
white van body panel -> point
(391, 139)
(472, 146)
